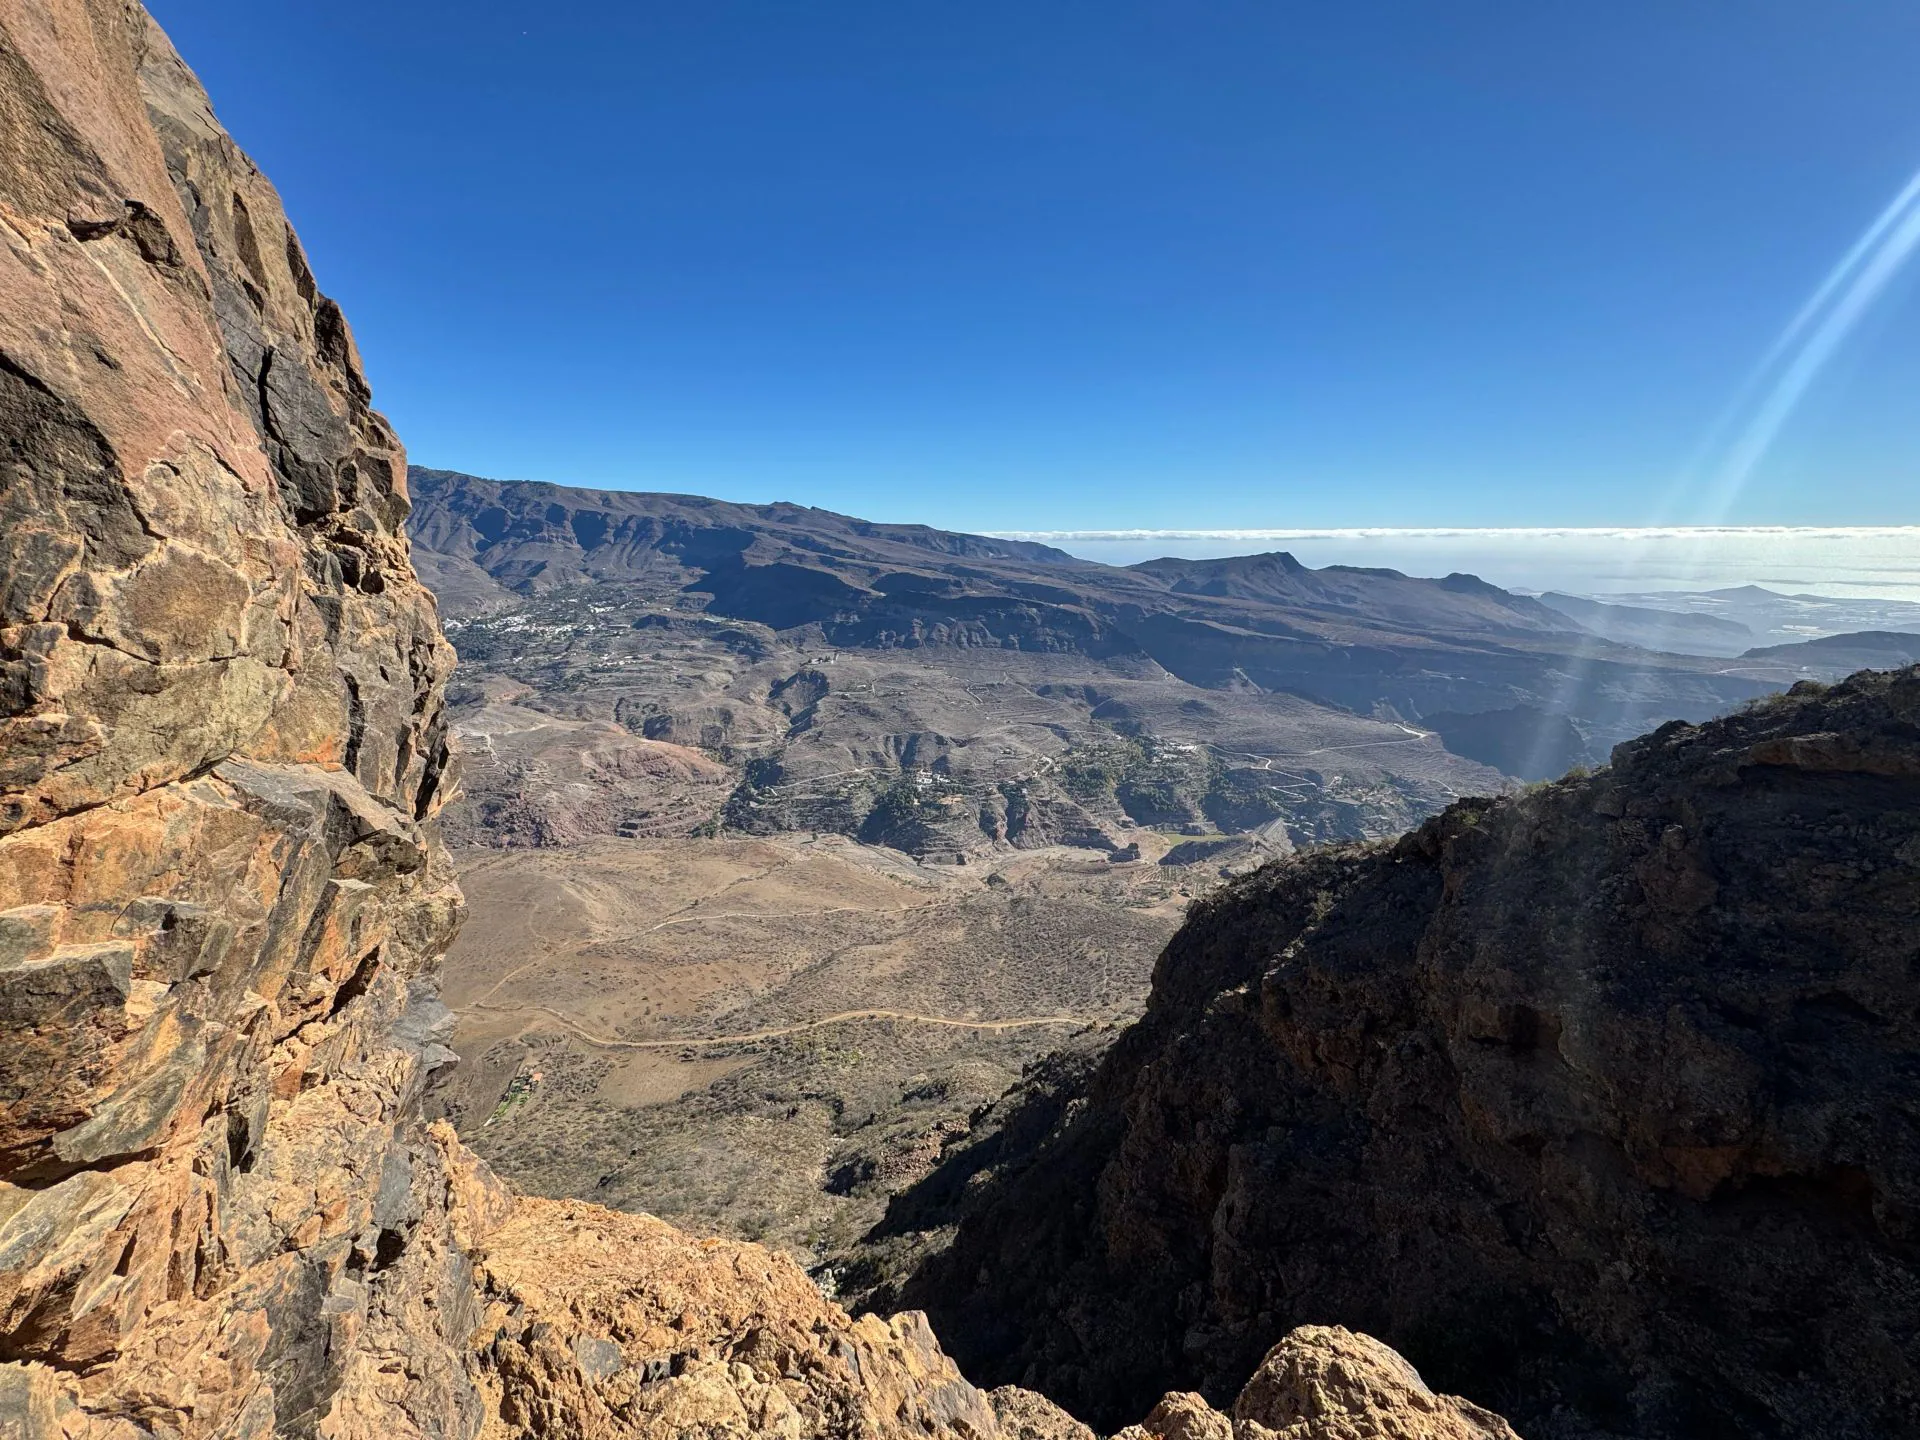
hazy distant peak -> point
(1462, 583)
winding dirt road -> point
(608, 1042)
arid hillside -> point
(1348, 642)
(770, 1037)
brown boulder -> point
(1325, 1383)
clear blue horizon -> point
(1116, 265)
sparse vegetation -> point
(1092, 772)
(797, 1140)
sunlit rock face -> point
(221, 748)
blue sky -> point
(1099, 263)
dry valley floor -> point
(769, 1036)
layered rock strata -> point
(1597, 1102)
(222, 896)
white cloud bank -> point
(1857, 561)
(1909, 534)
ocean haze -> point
(1843, 562)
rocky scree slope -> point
(1597, 1102)
(222, 898)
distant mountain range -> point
(1371, 642)
(1759, 616)
(1832, 656)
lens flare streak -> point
(1811, 339)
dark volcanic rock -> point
(1599, 1103)
(1523, 741)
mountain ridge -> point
(1590, 1099)
(1369, 643)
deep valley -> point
(790, 977)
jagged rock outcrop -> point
(222, 893)
(1597, 1102)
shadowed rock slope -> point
(223, 900)
(1598, 1102)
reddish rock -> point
(221, 751)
